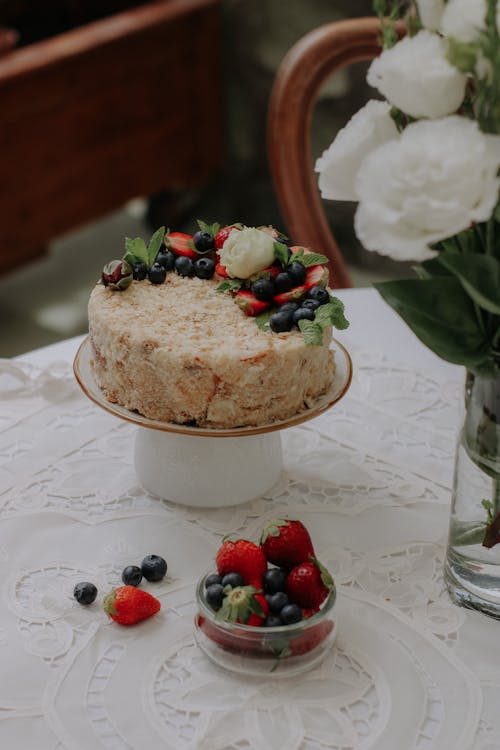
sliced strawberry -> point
(316, 276)
(182, 244)
(250, 304)
(220, 270)
(294, 295)
(223, 234)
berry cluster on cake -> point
(169, 341)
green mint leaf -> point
(210, 228)
(263, 319)
(281, 253)
(312, 332)
(332, 314)
(130, 259)
(137, 248)
(312, 259)
(231, 285)
(155, 243)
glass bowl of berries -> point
(268, 608)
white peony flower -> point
(246, 252)
(464, 19)
(416, 77)
(339, 164)
(430, 12)
(440, 176)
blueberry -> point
(263, 289)
(211, 579)
(289, 307)
(281, 321)
(166, 258)
(85, 592)
(274, 580)
(290, 613)
(277, 601)
(153, 568)
(233, 579)
(184, 266)
(214, 595)
(297, 273)
(303, 313)
(320, 294)
(282, 283)
(313, 304)
(204, 268)
(272, 621)
(157, 274)
(139, 271)
(132, 575)
(203, 241)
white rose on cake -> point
(416, 77)
(464, 19)
(430, 12)
(338, 166)
(247, 251)
(440, 176)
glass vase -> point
(472, 566)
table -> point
(371, 479)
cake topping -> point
(117, 274)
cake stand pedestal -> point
(178, 463)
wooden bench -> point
(122, 107)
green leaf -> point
(479, 276)
(281, 253)
(332, 314)
(154, 245)
(429, 268)
(136, 249)
(210, 228)
(310, 259)
(442, 315)
(263, 319)
(231, 285)
(312, 332)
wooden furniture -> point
(122, 107)
(304, 69)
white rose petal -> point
(440, 176)
(464, 19)
(416, 77)
(339, 164)
(246, 252)
(430, 12)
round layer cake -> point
(183, 352)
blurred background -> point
(117, 117)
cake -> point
(174, 346)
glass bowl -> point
(277, 652)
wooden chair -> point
(300, 76)
(121, 107)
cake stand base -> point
(207, 472)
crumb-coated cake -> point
(179, 337)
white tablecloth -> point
(371, 479)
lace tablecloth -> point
(371, 479)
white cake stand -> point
(176, 461)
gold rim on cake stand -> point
(82, 367)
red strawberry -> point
(223, 234)
(286, 542)
(182, 244)
(251, 643)
(308, 584)
(243, 557)
(244, 604)
(128, 605)
(316, 276)
(294, 295)
(308, 612)
(220, 270)
(296, 248)
(250, 304)
(311, 638)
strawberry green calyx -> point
(326, 577)
(239, 604)
(272, 528)
(108, 604)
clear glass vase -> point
(472, 566)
